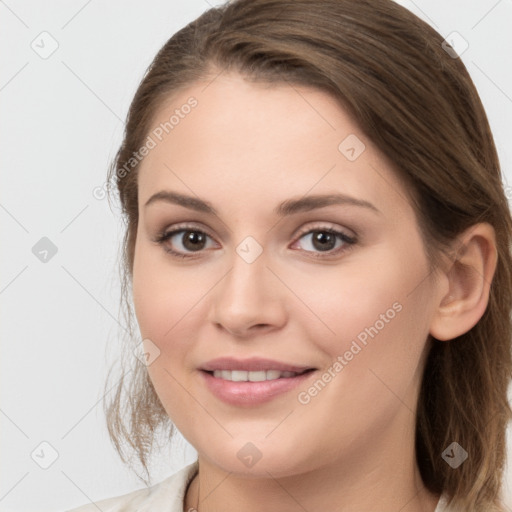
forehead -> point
(230, 137)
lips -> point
(251, 382)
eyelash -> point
(348, 241)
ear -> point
(469, 275)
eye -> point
(185, 238)
(327, 240)
(323, 241)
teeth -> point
(239, 376)
(258, 376)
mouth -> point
(251, 382)
(255, 376)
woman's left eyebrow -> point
(288, 207)
(307, 203)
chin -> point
(257, 459)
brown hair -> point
(420, 107)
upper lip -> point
(253, 364)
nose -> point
(249, 299)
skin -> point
(246, 148)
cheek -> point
(374, 315)
(163, 302)
(160, 296)
(372, 371)
(348, 303)
(169, 307)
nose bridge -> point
(247, 296)
(246, 284)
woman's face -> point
(279, 279)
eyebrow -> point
(288, 207)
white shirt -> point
(165, 496)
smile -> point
(252, 382)
(255, 376)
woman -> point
(317, 247)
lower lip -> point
(251, 393)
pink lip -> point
(248, 394)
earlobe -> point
(469, 277)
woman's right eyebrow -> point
(194, 203)
(288, 207)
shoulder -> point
(442, 505)
(168, 493)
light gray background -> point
(61, 123)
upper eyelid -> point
(193, 227)
(185, 227)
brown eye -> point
(325, 242)
(193, 240)
(183, 242)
